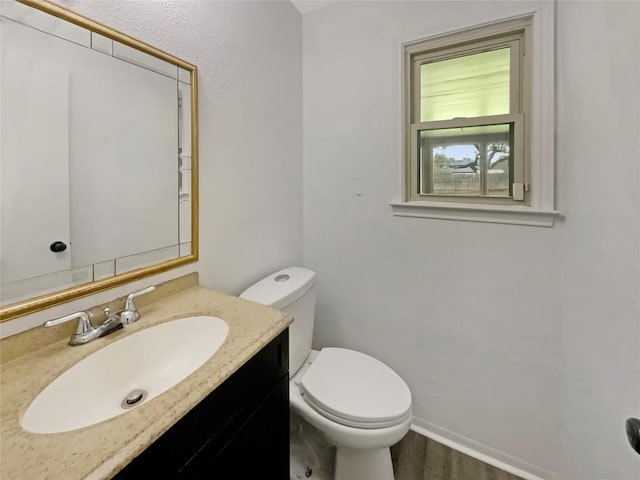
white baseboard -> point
(482, 452)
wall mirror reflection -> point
(98, 160)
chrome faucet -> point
(86, 331)
(130, 313)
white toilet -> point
(359, 404)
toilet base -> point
(363, 464)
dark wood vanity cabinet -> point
(239, 431)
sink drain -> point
(133, 398)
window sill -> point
(516, 215)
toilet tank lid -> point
(282, 288)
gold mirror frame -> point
(48, 300)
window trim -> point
(539, 134)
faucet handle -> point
(129, 305)
(84, 322)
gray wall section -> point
(517, 342)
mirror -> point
(98, 158)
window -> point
(468, 120)
(468, 111)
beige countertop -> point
(101, 450)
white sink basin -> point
(151, 360)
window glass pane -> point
(469, 86)
(474, 161)
(498, 169)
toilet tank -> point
(291, 290)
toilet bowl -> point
(357, 403)
(361, 453)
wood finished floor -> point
(418, 458)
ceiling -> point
(306, 6)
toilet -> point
(357, 403)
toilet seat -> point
(356, 390)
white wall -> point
(473, 315)
(599, 149)
(250, 98)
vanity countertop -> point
(101, 450)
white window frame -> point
(538, 207)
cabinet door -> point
(260, 448)
(247, 414)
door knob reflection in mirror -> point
(633, 433)
(58, 246)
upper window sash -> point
(515, 42)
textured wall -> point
(250, 91)
(599, 146)
(520, 343)
(468, 313)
